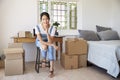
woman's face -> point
(45, 20)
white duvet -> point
(105, 54)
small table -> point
(57, 39)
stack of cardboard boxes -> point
(14, 59)
(75, 55)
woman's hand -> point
(46, 29)
(56, 47)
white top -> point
(42, 31)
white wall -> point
(116, 15)
(96, 12)
(17, 15)
(0, 25)
(99, 12)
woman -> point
(45, 35)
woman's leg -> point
(43, 49)
(51, 58)
(44, 54)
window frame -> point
(68, 16)
(73, 16)
(59, 10)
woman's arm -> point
(50, 38)
(46, 43)
(43, 42)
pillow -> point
(100, 28)
(88, 35)
(108, 35)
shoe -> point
(51, 75)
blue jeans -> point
(50, 51)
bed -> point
(103, 49)
(105, 54)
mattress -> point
(105, 54)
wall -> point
(96, 12)
(99, 12)
(17, 15)
(0, 25)
(116, 15)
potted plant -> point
(56, 24)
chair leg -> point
(48, 64)
(36, 68)
(37, 64)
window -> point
(73, 15)
(59, 13)
(64, 13)
(43, 7)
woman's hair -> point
(44, 13)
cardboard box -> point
(2, 63)
(24, 34)
(13, 53)
(82, 61)
(13, 67)
(18, 45)
(15, 45)
(75, 46)
(73, 39)
(69, 61)
(14, 61)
